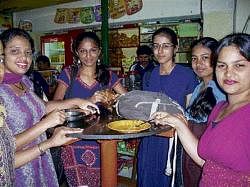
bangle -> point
(40, 149)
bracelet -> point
(40, 149)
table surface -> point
(95, 128)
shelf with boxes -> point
(123, 43)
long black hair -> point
(7, 35)
(205, 101)
(102, 73)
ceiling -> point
(9, 6)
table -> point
(95, 129)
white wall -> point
(243, 12)
(218, 14)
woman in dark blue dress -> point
(176, 81)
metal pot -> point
(74, 114)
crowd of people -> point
(213, 133)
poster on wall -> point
(25, 25)
(61, 15)
(86, 15)
(133, 6)
(116, 8)
(73, 15)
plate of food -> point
(128, 126)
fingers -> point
(60, 116)
(68, 130)
(163, 118)
(100, 97)
(159, 115)
(90, 108)
(60, 136)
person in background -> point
(204, 98)
(143, 65)
(27, 116)
(223, 150)
(178, 82)
(43, 63)
(48, 74)
(82, 159)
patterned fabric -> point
(152, 153)
(81, 160)
(82, 163)
(22, 113)
(7, 151)
(225, 148)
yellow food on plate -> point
(128, 126)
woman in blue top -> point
(81, 159)
(176, 81)
(204, 98)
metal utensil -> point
(74, 114)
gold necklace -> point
(20, 86)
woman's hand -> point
(88, 107)
(99, 97)
(56, 117)
(174, 120)
(60, 137)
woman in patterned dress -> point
(82, 159)
(24, 111)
